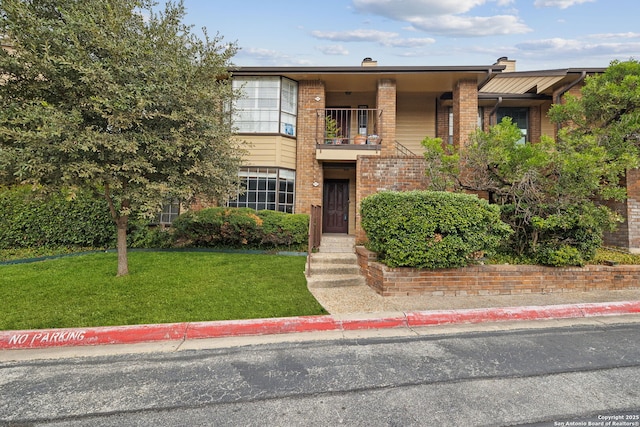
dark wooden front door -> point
(335, 215)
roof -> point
(538, 82)
(492, 79)
(365, 78)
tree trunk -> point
(123, 261)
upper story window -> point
(519, 116)
(268, 105)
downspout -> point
(566, 89)
(486, 79)
(490, 74)
(494, 110)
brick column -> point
(465, 111)
(633, 210)
(386, 101)
(308, 169)
(442, 121)
(535, 124)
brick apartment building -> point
(331, 136)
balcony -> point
(345, 133)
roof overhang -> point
(436, 79)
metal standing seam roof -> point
(520, 84)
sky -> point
(538, 34)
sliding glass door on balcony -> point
(341, 126)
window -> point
(170, 211)
(519, 116)
(480, 123)
(268, 105)
(266, 188)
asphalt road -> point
(559, 376)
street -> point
(557, 376)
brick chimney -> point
(368, 62)
(509, 63)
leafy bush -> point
(31, 219)
(241, 228)
(562, 237)
(431, 229)
(141, 234)
(280, 229)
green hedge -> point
(431, 229)
(33, 220)
(241, 228)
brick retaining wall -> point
(494, 279)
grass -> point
(163, 287)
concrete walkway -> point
(363, 299)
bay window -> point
(267, 105)
(266, 188)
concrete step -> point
(334, 258)
(334, 280)
(334, 269)
(336, 250)
(338, 238)
(337, 244)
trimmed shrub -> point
(569, 237)
(31, 220)
(241, 228)
(281, 229)
(431, 229)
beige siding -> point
(416, 119)
(270, 150)
(547, 128)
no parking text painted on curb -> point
(32, 339)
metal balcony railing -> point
(349, 126)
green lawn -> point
(163, 287)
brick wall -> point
(308, 169)
(633, 209)
(494, 279)
(535, 124)
(442, 121)
(377, 174)
(465, 111)
(386, 101)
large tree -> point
(116, 97)
(547, 190)
(607, 110)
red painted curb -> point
(430, 318)
(283, 325)
(380, 323)
(46, 338)
(609, 308)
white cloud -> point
(584, 48)
(334, 50)
(404, 9)
(384, 38)
(354, 35)
(562, 4)
(464, 26)
(410, 42)
(446, 17)
(628, 35)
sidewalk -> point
(363, 299)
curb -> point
(69, 337)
